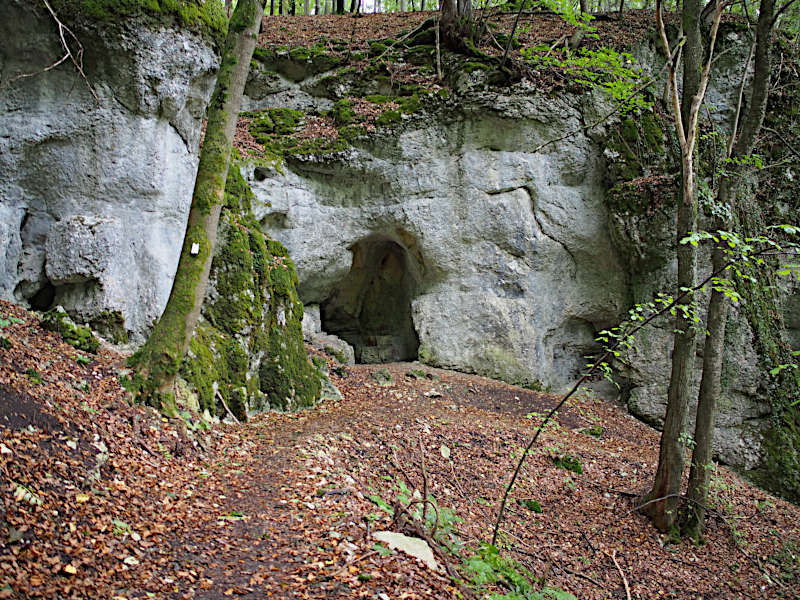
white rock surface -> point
(511, 253)
(126, 164)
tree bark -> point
(158, 361)
(710, 386)
(455, 23)
(339, 7)
(669, 474)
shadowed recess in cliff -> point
(371, 307)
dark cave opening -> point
(43, 299)
(371, 306)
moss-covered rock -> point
(111, 325)
(248, 347)
(79, 337)
(342, 112)
(206, 17)
(636, 148)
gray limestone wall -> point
(94, 193)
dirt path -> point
(303, 482)
(100, 499)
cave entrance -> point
(371, 307)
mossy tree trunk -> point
(158, 361)
(663, 497)
(455, 22)
(710, 387)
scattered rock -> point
(412, 546)
(383, 377)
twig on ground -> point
(621, 574)
(396, 463)
(354, 561)
(424, 484)
(457, 482)
(228, 410)
(561, 565)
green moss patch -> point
(111, 325)
(77, 336)
(636, 148)
(248, 348)
(203, 16)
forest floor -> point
(101, 499)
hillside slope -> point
(103, 499)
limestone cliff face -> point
(450, 231)
(94, 195)
(452, 235)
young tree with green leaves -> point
(662, 499)
(737, 163)
(158, 361)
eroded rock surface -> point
(460, 236)
(94, 194)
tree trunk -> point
(710, 387)
(666, 487)
(584, 4)
(339, 7)
(455, 23)
(403, 7)
(228, 6)
(158, 361)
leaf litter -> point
(280, 507)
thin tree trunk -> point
(669, 474)
(316, 7)
(710, 384)
(584, 4)
(403, 7)
(158, 361)
(228, 7)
